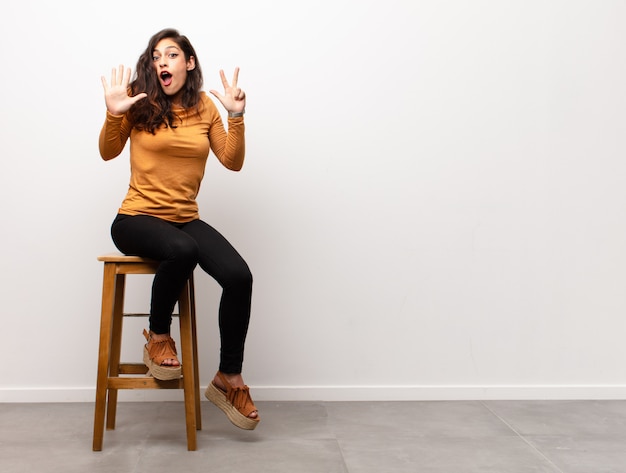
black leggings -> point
(179, 248)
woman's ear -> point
(191, 64)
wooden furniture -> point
(114, 375)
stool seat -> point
(114, 375)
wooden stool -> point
(116, 267)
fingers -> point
(126, 77)
(217, 95)
(114, 75)
(231, 89)
(121, 76)
(138, 97)
(113, 78)
(223, 77)
(235, 76)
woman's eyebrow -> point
(166, 48)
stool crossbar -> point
(114, 375)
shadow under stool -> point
(114, 375)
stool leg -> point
(188, 366)
(116, 347)
(108, 295)
(194, 339)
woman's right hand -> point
(116, 95)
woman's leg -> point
(222, 262)
(177, 252)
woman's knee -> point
(183, 251)
(238, 276)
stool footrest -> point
(137, 314)
(144, 382)
(132, 368)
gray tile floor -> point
(324, 437)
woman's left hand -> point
(234, 99)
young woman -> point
(172, 126)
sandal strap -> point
(239, 397)
(241, 400)
(160, 350)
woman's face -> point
(170, 66)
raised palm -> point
(116, 94)
(233, 99)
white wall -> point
(432, 205)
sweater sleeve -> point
(229, 146)
(113, 136)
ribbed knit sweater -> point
(166, 169)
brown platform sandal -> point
(155, 352)
(236, 403)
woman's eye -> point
(155, 58)
(173, 55)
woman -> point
(172, 126)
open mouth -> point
(166, 78)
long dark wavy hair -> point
(156, 109)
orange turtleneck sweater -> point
(166, 169)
